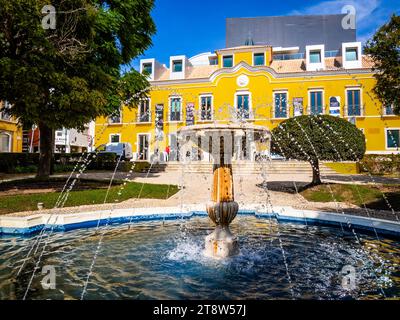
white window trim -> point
(172, 66)
(243, 93)
(121, 118)
(150, 113)
(287, 104)
(323, 100)
(346, 106)
(115, 134)
(354, 64)
(212, 107)
(384, 112)
(314, 66)
(10, 140)
(386, 139)
(153, 64)
(169, 109)
(137, 144)
(259, 52)
(227, 55)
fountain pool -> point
(164, 260)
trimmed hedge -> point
(10, 161)
(28, 162)
(381, 164)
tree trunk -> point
(316, 181)
(46, 151)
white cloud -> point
(370, 13)
(364, 8)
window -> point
(351, 54)
(259, 59)
(315, 56)
(5, 142)
(59, 133)
(392, 138)
(144, 111)
(148, 68)
(177, 66)
(353, 103)
(175, 109)
(388, 110)
(228, 61)
(213, 61)
(206, 108)
(316, 100)
(116, 118)
(115, 138)
(281, 105)
(5, 111)
(243, 106)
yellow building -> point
(258, 84)
(10, 132)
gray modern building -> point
(289, 31)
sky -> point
(190, 27)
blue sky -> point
(191, 27)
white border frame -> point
(227, 55)
(315, 66)
(386, 139)
(243, 93)
(287, 104)
(346, 106)
(177, 75)
(309, 100)
(169, 109)
(356, 64)
(205, 95)
(10, 140)
(121, 112)
(150, 113)
(115, 134)
(253, 60)
(137, 145)
(150, 77)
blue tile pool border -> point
(4, 231)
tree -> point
(384, 48)
(70, 75)
(318, 138)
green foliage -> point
(28, 202)
(384, 48)
(69, 76)
(301, 138)
(381, 164)
(359, 195)
(28, 162)
(10, 161)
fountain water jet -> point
(223, 208)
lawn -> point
(28, 202)
(358, 195)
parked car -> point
(277, 157)
(123, 150)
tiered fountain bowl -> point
(222, 209)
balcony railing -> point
(144, 117)
(354, 111)
(388, 111)
(316, 110)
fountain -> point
(220, 141)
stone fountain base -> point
(221, 244)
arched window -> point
(5, 142)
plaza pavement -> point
(249, 189)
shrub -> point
(308, 138)
(381, 164)
(10, 161)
